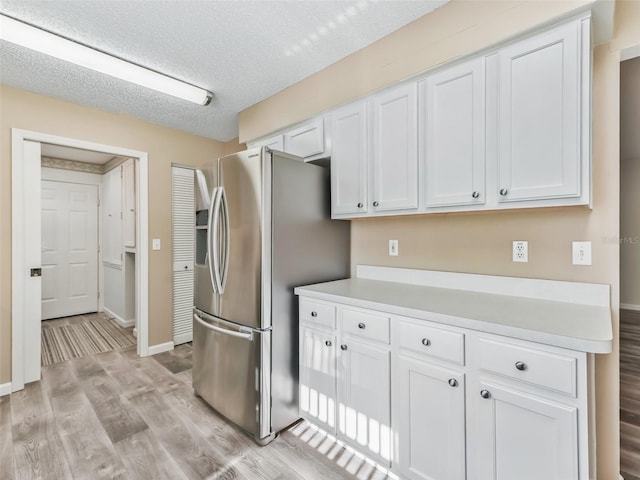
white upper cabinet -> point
(274, 143)
(349, 160)
(452, 143)
(307, 140)
(395, 149)
(540, 119)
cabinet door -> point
(129, 204)
(318, 378)
(429, 402)
(306, 140)
(364, 405)
(523, 436)
(539, 116)
(395, 149)
(274, 143)
(349, 160)
(453, 137)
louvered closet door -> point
(183, 236)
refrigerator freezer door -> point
(245, 179)
(230, 372)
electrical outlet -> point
(520, 251)
(393, 248)
(581, 253)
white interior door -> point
(183, 224)
(69, 249)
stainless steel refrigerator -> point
(266, 231)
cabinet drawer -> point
(432, 341)
(545, 369)
(319, 313)
(365, 325)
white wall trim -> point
(161, 347)
(553, 290)
(629, 306)
(630, 52)
(119, 320)
(5, 389)
(19, 186)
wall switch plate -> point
(155, 244)
(520, 251)
(393, 248)
(581, 254)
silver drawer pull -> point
(426, 342)
(521, 366)
(485, 394)
(314, 314)
(328, 343)
(504, 191)
(453, 382)
(343, 347)
(475, 194)
(361, 326)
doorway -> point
(629, 267)
(27, 244)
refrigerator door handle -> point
(212, 240)
(224, 331)
(227, 243)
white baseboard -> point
(5, 389)
(161, 347)
(119, 320)
(629, 306)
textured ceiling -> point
(242, 51)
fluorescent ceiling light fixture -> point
(44, 42)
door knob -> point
(343, 347)
(375, 204)
(453, 382)
(314, 314)
(475, 194)
(485, 394)
(503, 191)
(328, 343)
(362, 326)
(360, 205)
(521, 366)
(426, 342)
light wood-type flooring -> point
(115, 415)
(630, 394)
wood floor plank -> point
(37, 449)
(161, 378)
(29, 402)
(630, 393)
(6, 439)
(115, 413)
(189, 450)
(145, 458)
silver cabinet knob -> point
(343, 347)
(328, 343)
(360, 205)
(485, 394)
(503, 191)
(475, 194)
(361, 326)
(453, 382)
(314, 314)
(521, 366)
(375, 204)
(426, 342)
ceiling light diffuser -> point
(44, 42)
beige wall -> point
(20, 109)
(630, 182)
(233, 146)
(480, 243)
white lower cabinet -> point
(438, 402)
(318, 377)
(429, 401)
(364, 403)
(524, 436)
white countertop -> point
(573, 325)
